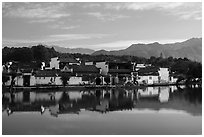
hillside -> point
(191, 49)
(73, 50)
(57, 48)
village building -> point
(163, 75)
(54, 63)
(118, 72)
(173, 78)
(48, 77)
(23, 74)
(89, 63)
(138, 66)
(67, 61)
(104, 66)
(89, 73)
(148, 75)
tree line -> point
(180, 66)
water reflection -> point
(103, 101)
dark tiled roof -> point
(85, 69)
(148, 71)
(119, 71)
(174, 75)
(68, 60)
(24, 66)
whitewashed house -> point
(67, 61)
(89, 63)
(74, 80)
(173, 78)
(46, 77)
(140, 66)
(148, 76)
(54, 63)
(104, 67)
(163, 75)
(150, 79)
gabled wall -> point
(103, 66)
(164, 75)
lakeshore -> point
(84, 87)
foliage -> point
(5, 79)
(25, 54)
(40, 53)
(64, 78)
(107, 80)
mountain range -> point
(57, 48)
(73, 50)
(191, 49)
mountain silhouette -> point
(191, 49)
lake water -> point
(152, 110)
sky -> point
(99, 25)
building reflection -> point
(103, 101)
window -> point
(150, 77)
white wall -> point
(47, 80)
(164, 75)
(75, 80)
(54, 63)
(19, 81)
(173, 80)
(74, 63)
(155, 79)
(88, 63)
(58, 81)
(103, 66)
(43, 80)
(148, 79)
(32, 81)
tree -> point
(64, 78)
(107, 80)
(5, 79)
(98, 81)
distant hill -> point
(57, 48)
(191, 49)
(73, 50)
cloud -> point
(41, 20)
(142, 5)
(38, 12)
(61, 25)
(60, 37)
(71, 27)
(185, 10)
(91, 5)
(106, 17)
